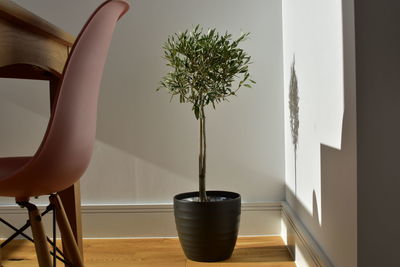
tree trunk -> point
(202, 157)
(295, 171)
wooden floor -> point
(250, 251)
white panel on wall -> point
(147, 147)
(321, 184)
(312, 35)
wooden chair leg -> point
(1, 259)
(39, 236)
(67, 235)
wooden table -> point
(32, 48)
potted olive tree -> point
(207, 68)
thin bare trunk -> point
(202, 157)
(295, 171)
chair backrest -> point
(67, 146)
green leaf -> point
(196, 112)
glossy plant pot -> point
(207, 230)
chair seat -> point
(8, 166)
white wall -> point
(312, 34)
(321, 36)
(147, 147)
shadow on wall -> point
(337, 232)
(138, 180)
(121, 175)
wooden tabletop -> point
(26, 19)
(30, 47)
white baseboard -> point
(301, 245)
(129, 221)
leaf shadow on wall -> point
(337, 231)
(338, 194)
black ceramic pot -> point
(208, 230)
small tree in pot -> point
(207, 68)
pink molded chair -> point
(66, 149)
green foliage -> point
(205, 67)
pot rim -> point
(232, 196)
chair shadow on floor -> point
(8, 253)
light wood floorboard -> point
(164, 252)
